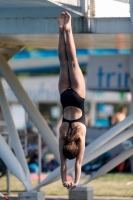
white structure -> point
(109, 8)
(34, 23)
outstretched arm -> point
(78, 163)
(63, 165)
(63, 161)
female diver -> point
(72, 93)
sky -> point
(112, 8)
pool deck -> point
(66, 197)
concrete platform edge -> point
(66, 198)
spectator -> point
(119, 116)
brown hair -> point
(70, 148)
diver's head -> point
(70, 148)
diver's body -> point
(72, 91)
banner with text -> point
(108, 73)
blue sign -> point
(108, 72)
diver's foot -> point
(67, 25)
(61, 21)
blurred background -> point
(108, 96)
(38, 71)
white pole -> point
(92, 112)
(8, 171)
(84, 7)
(131, 79)
(30, 108)
(131, 10)
(85, 10)
(131, 90)
(12, 163)
(109, 145)
(111, 164)
(1, 195)
(39, 157)
(108, 135)
(13, 132)
(25, 137)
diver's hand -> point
(72, 186)
(66, 184)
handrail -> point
(2, 123)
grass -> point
(108, 185)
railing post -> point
(39, 159)
(85, 10)
(84, 7)
(13, 132)
(8, 171)
(131, 90)
(131, 10)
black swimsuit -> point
(70, 98)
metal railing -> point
(24, 137)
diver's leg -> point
(64, 81)
(76, 77)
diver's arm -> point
(63, 161)
(78, 163)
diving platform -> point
(34, 24)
